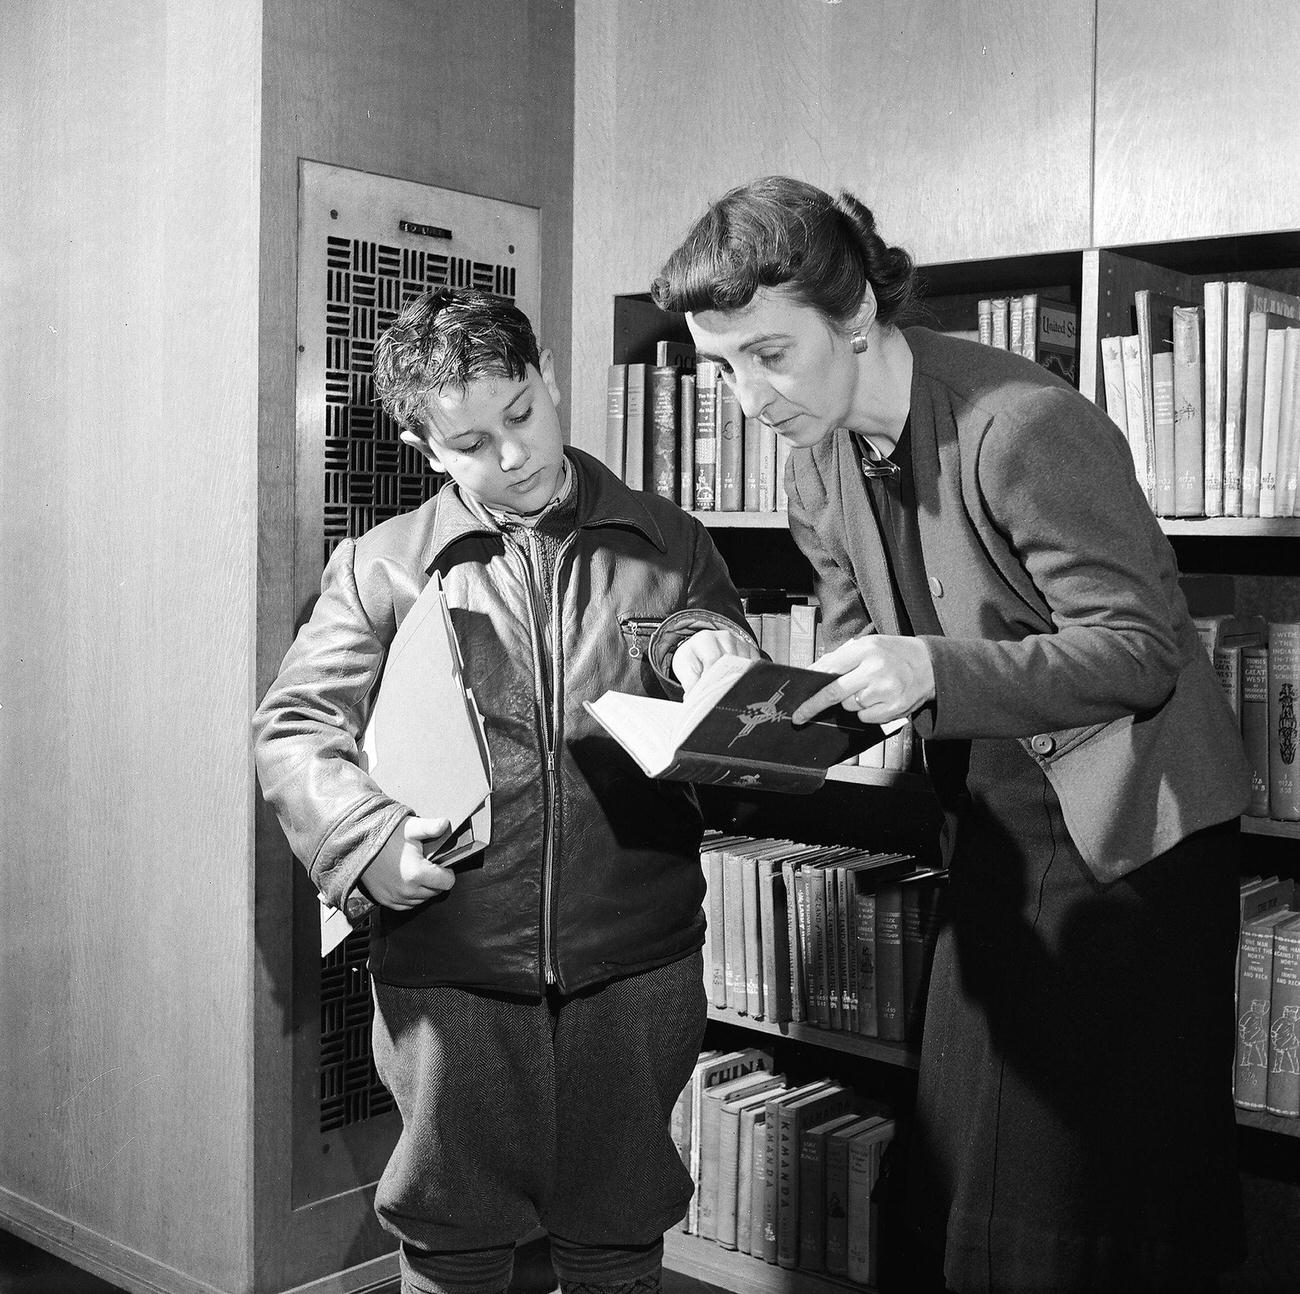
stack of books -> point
(832, 936)
(1207, 390)
(1266, 1075)
(783, 1172)
(1045, 331)
(1258, 663)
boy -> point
(538, 1010)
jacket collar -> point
(603, 500)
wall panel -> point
(1198, 119)
(967, 128)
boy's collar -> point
(503, 517)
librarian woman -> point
(989, 566)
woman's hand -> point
(700, 650)
(400, 876)
(880, 678)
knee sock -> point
(607, 1269)
(465, 1271)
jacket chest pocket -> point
(636, 632)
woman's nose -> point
(754, 393)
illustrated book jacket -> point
(734, 728)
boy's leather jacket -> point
(593, 869)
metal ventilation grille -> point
(369, 474)
(350, 1089)
(368, 244)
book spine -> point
(837, 1219)
(615, 417)
(734, 916)
(1016, 325)
(686, 440)
(863, 1219)
(767, 479)
(1253, 436)
(749, 774)
(773, 936)
(864, 920)
(1214, 301)
(757, 1187)
(716, 890)
(843, 947)
(1136, 412)
(1254, 725)
(1029, 326)
(1142, 298)
(1288, 431)
(1162, 403)
(706, 436)
(728, 1178)
(710, 1132)
(816, 879)
(1283, 1086)
(1283, 687)
(634, 440)
(744, 1180)
(663, 430)
(984, 314)
(1001, 316)
(794, 939)
(889, 962)
(1234, 396)
(752, 459)
(812, 1203)
(1189, 419)
(731, 448)
(1227, 665)
(753, 949)
(1274, 371)
(1112, 376)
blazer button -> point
(1042, 744)
(936, 586)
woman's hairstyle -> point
(781, 232)
(448, 337)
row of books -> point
(1044, 331)
(1258, 663)
(1266, 1075)
(793, 636)
(783, 1172)
(832, 936)
(677, 429)
(1208, 393)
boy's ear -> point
(423, 446)
(546, 367)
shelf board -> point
(853, 1044)
(894, 779)
(1217, 527)
(743, 520)
(731, 1270)
(1266, 1122)
(1270, 827)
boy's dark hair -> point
(448, 337)
(782, 232)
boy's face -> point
(499, 439)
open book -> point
(424, 743)
(734, 728)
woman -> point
(988, 566)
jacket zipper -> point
(549, 741)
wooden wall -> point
(1198, 119)
(967, 128)
(129, 209)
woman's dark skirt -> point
(1075, 1128)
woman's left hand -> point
(880, 678)
(701, 649)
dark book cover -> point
(735, 729)
(663, 450)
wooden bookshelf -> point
(743, 1273)
(1270, 827)
(1266, 1122)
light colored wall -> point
(967, 128)
(1198, 119)
(128, 359)
(475, 97)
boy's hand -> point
(701, 649)
(400, 876)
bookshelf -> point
(1260, 557)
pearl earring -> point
(859, 343)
